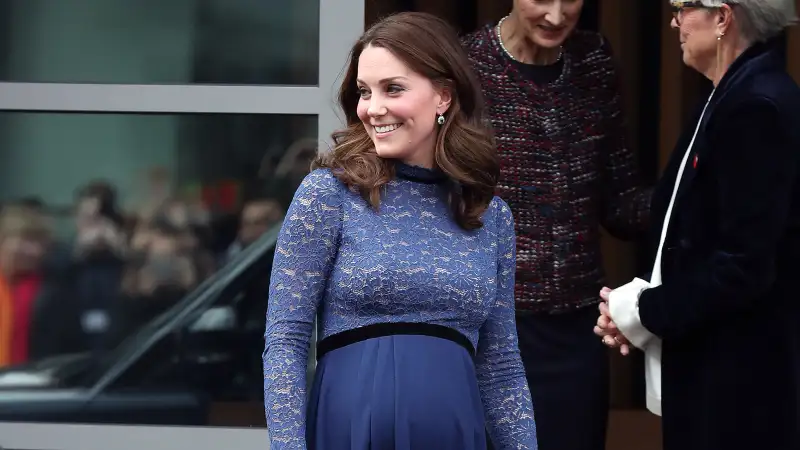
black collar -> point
(419, 174)
(759, 57)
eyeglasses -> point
(678, 8)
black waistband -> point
(348, 337)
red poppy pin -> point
(694, 163)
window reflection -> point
(155, 41)
(135, 255)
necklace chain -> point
(510, 55)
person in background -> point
(156, 277)
(99, 252)
(398, 244)
(718, 318)
(258, 216)
(98, 222)
(35, 321)
(192, 221)
(553, 100)
(190, 225)
(157, 188)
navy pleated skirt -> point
(397, 392)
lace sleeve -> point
(501, 377)
(304, 255)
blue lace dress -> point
(419, 345)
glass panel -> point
(160, 42)
(135, 256)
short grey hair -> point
(760, 20)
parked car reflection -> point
(198, 363)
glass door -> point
(183, 126)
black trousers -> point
(567, 367)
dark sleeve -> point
(756, 170)
(626, 203)
(55, 325)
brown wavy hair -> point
(465, 149)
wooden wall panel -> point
(376, 9)
(490, 11)
(446, 9)
(671, 90)
(618, 21)
(793, 50)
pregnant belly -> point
(401, 391)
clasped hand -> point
(607, 329)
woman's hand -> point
(607, 329)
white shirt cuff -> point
(623, 305)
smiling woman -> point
(399, 107)
(411, 281)
(409, 95)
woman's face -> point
(165, 265)
(177, 214)
(87, 213)
(697, 30)
(398, 107)
(23, 254)
(548, 23)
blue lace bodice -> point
(409, 262)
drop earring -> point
(440, 119)
(719, 54)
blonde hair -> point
(16, 220)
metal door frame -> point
(340, 24)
